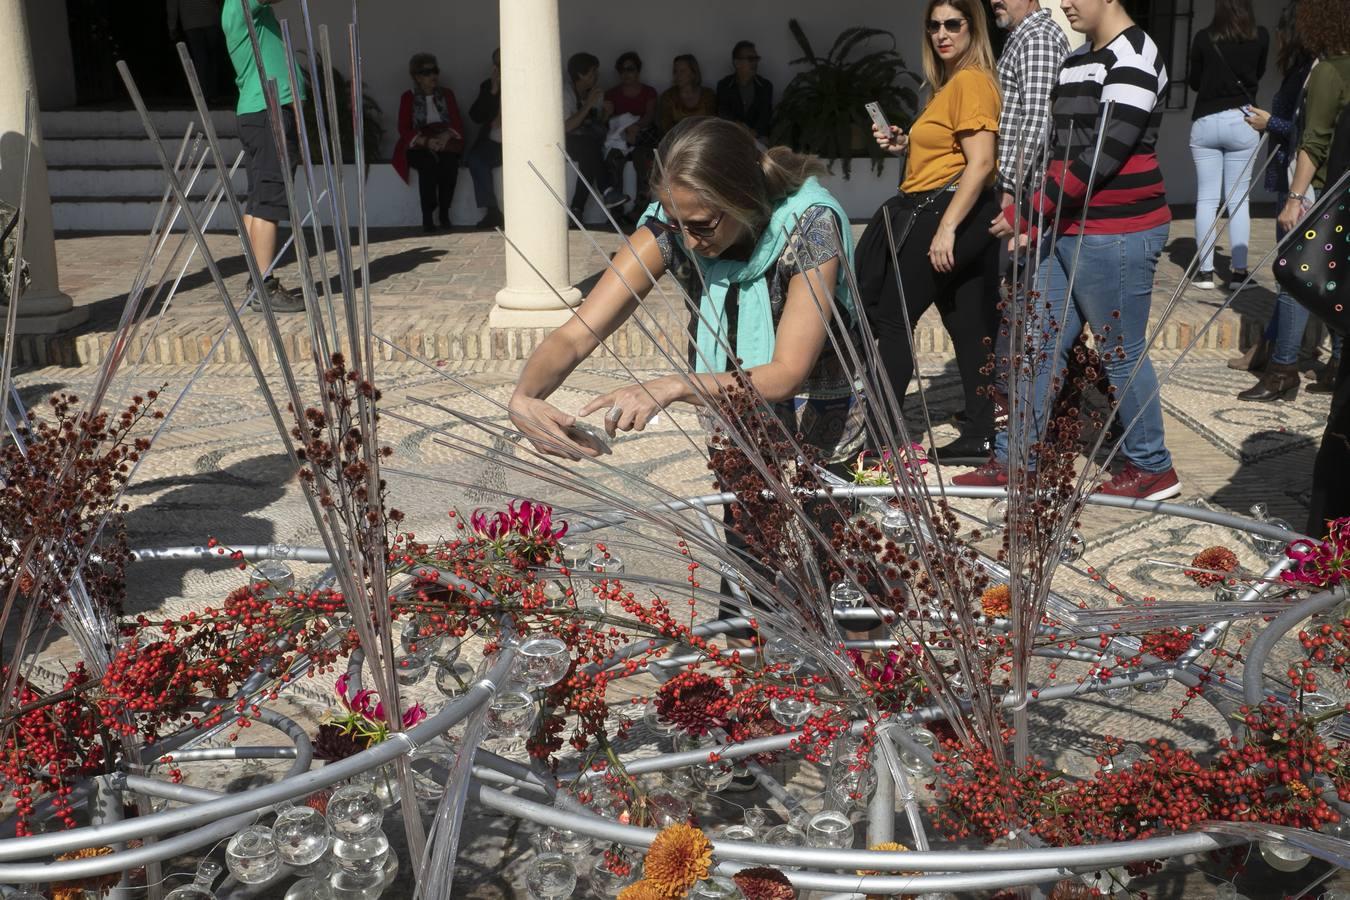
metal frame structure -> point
(502, 785)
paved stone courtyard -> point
(219, 470)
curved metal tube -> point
(1084, 857)
(1254, 689)
(249, 803)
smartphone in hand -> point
(879, 118)
(588, 435)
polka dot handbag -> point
(1313, 262)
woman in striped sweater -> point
(1105, 199)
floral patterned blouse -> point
(826, 409)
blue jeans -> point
(484, 156)
(1114, 278)
(1223, 146)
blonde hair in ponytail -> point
(720, 162)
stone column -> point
(43, 309)
(532, 132)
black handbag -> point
(1313, 265)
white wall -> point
(462, 33)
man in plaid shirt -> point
(1027, 72)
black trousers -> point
(586, 146)
(823, 512)
(436, 177)
(966, 297)
(1331, 471)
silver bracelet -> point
(1293, 195)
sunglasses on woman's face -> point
(625, 70)
(699, 230)
(432, 71)
(951, 26)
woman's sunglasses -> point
(624, 70)
(951, 26)
(701, 230)
(431, 71)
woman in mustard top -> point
(947, 256)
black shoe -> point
(1281, 382)
(967, 450)
(492, 219)
(428, 225)
(1205, 280)
(443, 220)
(282, 300)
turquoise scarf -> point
(754, 325)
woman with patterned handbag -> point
(1315, 261)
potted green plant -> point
(822, 109)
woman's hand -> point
(896, 142)
(941, 250)
(632, 407)
(1257, 118)
(549, 429)
(630, 134)
(1000, 227)
(1291, 215)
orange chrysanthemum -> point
(996, 601)
(679, 858)
(75, 890)
(1216, 559)
(642, 890)
(889, 847)
(764, 883)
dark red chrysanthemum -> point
(1214, 559)
(764, 883)
(694, 701)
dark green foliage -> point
(821, 109)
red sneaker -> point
(992, 474)
(1140, 485)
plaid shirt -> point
(1027, 73)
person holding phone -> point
(1227, 61)
(584, 125)
(762, 248)
(946, 257)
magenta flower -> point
(414, 714)
(1321, 564)
(528, 527)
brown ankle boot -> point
(1326, 379)
(1254, 359)
(1279, 383)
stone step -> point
(118, 151)
(148, 182)
(107, 123)
(120, 213)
